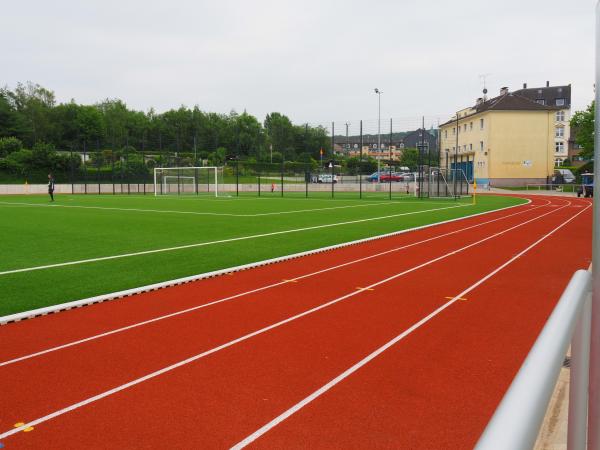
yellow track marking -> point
(365, 289)
(25, 430)
(458, 298)
(290, 281)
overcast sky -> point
(315, 61)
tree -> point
(33, 103)
(410, 158)
(582, 124)
(11, 124)
(280, 131)
(9, 145)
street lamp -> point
(378, 92)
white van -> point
(326, 178)
(566, 174)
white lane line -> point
(253, 291)
(245, 337)
(222, 241)
(197, 213)
(301, 404)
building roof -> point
(506, 102)
(549, 94)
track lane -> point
(441, 386)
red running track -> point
(282, 356)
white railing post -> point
(579, 379)
(517, 420)
(594, 383)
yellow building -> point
(508, 140)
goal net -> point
(438, 182)
(188, 181)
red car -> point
(387, 177)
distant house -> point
(388, 151)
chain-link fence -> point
(387, 158)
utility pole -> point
(378, 92)
(456, 155)
(347, 140)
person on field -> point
(51, 186)
(272, 187)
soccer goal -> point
(188, 181)
(438, 182)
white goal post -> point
(185, 177)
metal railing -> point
(516, 423)
(563, 187)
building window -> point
(465, 127)
(465, 148)
(445, 133)
(560, 116)
(470, 147)
(541, 101)
(481, 124)
(481, 145)
(560, 102)
(559, 132)
(559, 147)
(471, 126)
(453, 130)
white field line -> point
(277, 420)
(196, 213)
(178, 281)
(245, 337)
(220, 241)
(253, 291)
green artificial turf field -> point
(36, 233)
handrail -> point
(518, 419)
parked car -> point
(563, 176)
(389, 177)
(384, 177)
(406, 176)
(326, 178)
(372, 178)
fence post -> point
(360, 161)
(84, 168)
(306, 179)
(98, 161)
(71, 171)
(332, 176)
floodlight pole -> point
(378, 92)
(594, 379)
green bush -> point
(9, 145)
